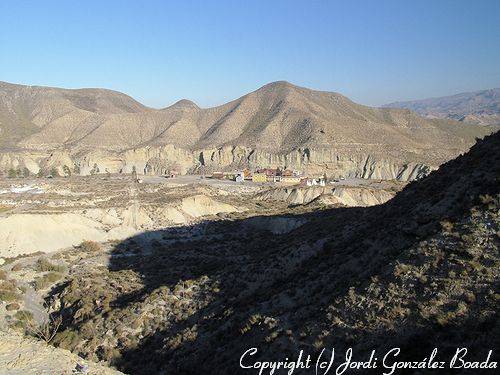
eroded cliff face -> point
(350, 196)
(162, 159)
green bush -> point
(8, 296)
(67, 339)
(44, 265)
(12, 173)
(47, 280)
(23, 316)
(53, 172)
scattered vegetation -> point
(45, 331)
(54, 172)
(44, 265)
(24, 316)
(43, 282)
(8, 291)
(8, 295)
(420, 271)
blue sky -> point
(214, 51)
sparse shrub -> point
(23, 316)
(401, 269)
(12, 306)
(17, 267)
(318, 344)
(253, 320)
(3, 275)
(447, 225)
(94, 170)
(66, 170)
(40, 283)
(8, 291)
(47, 280)
(45, 331)
(470, 297)
(12, 173)
(44, 265)
(8, 296)
(67, 339)
(53, 172)
(90, 246)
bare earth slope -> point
(69, 114)
(478, 107)
(22, 356)
(277, 125)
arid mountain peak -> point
(183, 104)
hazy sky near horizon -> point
(211, 52)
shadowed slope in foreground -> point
(418, 272)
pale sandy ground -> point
(23, 355)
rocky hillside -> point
(418, 272)
(92, 131)
(21, 355)
(478, 107)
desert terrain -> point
(53, 229)
(166, 241)
(44, 214)
(174, 275)
(249, 187)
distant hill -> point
(279, 124)
(29, 110)
(478, 107)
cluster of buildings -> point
(266, 175)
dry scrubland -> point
(419, 271)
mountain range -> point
(280, 124)
(478, 107)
